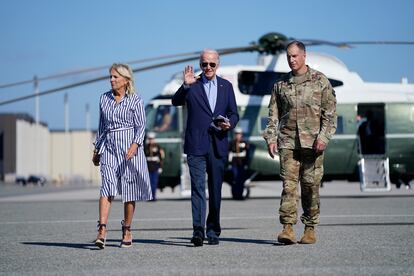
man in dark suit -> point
(206, 96)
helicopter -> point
(391, 103)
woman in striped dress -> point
(119, 151)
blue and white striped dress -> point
(120, 125)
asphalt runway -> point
(358, 235)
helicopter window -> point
(1, 148)
(263, 123)
(244, 125)
(260, 83)
(336, 83)
(340, 125)
(257, 83)
(150, 112)
(163, 118)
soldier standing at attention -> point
(302, 119)
(155, 155)
(239, 160)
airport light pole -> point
(88, 117)
(37, 119)
(68, 139)
(37, 99)
(66, 113)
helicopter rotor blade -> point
(227, 51)
(316, 42)
(380, 42)
(271, 43)
(349, 44)
(65, 87)
(93, 69)
(195, 56)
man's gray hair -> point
(212, 51)
(298, 44)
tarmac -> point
(49, 231)
(259, 189)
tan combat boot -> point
(309, 236)
(287, 236)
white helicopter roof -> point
(353, 90)
(318, 61)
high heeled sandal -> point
(101, 237)
(125, 243)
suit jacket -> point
(200, 116)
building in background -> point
(24, 147)
(71, 157)
(29, 149)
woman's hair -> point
(125, 71)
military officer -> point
(155, 155)
(239, 160)
(302, 120)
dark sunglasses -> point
(205, 64)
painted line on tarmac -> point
(189, 219)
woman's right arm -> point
(95, 157)
(101, 121)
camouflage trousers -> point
(302, 166)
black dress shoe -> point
(213, 240)
(197, 240)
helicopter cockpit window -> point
(335, 83)
(260, 83)
(164, 118)
(257, 83)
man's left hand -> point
(319, 146)
(224, 125)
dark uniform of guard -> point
(239, 160)
(155, 155)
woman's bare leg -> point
(129, 208)
(104, 208)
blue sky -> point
(47, 37)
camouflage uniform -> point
(301, 110)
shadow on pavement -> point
(89, 246)
(367, 224)
(153, 229)
(255, 241)
(238, 240)
(171, 229)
